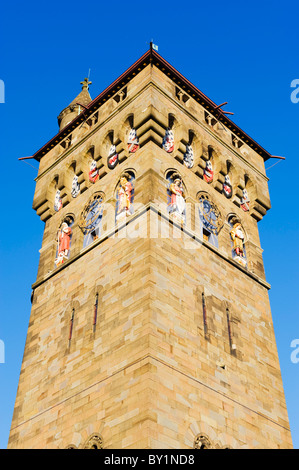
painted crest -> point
(57, 201)
(245, 201)
(227, 187)
(168, 141)
(75, 187)
(93, 172)
(133, 141)
(208, 172)
(189, 157)
(112, 159)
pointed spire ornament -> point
(85, 84)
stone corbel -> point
(238, 193)
(255, 259)
(178, 132)
(261, 201)
(202, 160)
(180, 152)
(181, 96)
(259, 209)
(119, 97)
(221, 171)
(210, 120)
(47, 257)
(66, 143)
(40, 196)
(94, 119)
(82, 172)
(237, 143)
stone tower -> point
(150, 325)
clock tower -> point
(150, 324)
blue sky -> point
(243, 53)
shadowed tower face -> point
(150, 324)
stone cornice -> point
(153, 58)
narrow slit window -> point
(229, 330)
(204, 314)
(71, 326)
(95, 313)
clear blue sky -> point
(245, 53)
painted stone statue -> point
(63, 240)
(57, 201)
(124, 197)
(227, 187)
(176, 204)
(168, 141)
(133, 141)
(112, 159)
(208, 173)
(189, 157)
(245, 201)
(75, 187)
(93, 172)
(237, 236)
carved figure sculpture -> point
(124, 197)
(177, 204)
(237, 236)
(63, 240)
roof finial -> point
(85, 84)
